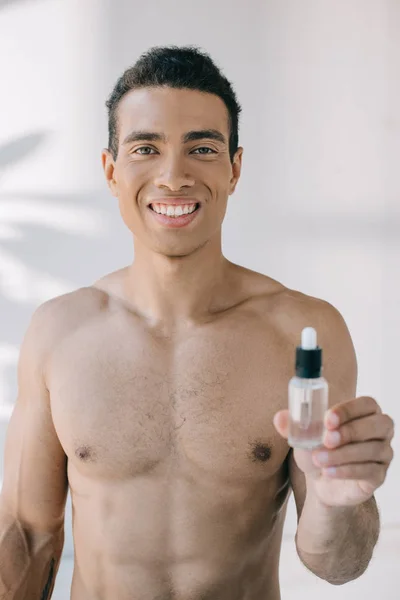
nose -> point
(173, 175)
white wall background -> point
(318, 206)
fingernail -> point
(333, 419)
(322, 457)
(330, 471)
(333, 438)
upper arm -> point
(35, 481)
(339, 369)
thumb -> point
(281, 422)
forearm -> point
(335, 543)
(28, 561)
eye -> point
(143, 148)
(210, 150)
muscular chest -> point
(125, 403)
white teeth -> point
(172, 210)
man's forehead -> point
(188, 109)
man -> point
(158, 394)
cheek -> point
(130, 184)
(217, 181)
(223, 179)
(129, 179)
(126, 211)
(128, 208)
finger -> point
(380, 452)
(374, 427)
(281, 423)
(352, 409)
(372, 472)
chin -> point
(179, 250)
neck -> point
(175, 290)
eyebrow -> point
(190, 136)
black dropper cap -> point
(308, 362)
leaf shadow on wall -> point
(50, 243)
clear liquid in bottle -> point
(308, 402)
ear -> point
(109, 171)
(236, 170)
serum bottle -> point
(308, 395)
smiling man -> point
(158, 394)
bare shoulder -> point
(63, 314)
(295, 310)
(59, 316)
(71, 307)
(291, 310)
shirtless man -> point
(158, 394)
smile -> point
(173, 210)
(174, 215)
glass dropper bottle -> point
(308, 394)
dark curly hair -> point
(177, 67)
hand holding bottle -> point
(344, 452)
(355, 456)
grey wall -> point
(318, 206)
